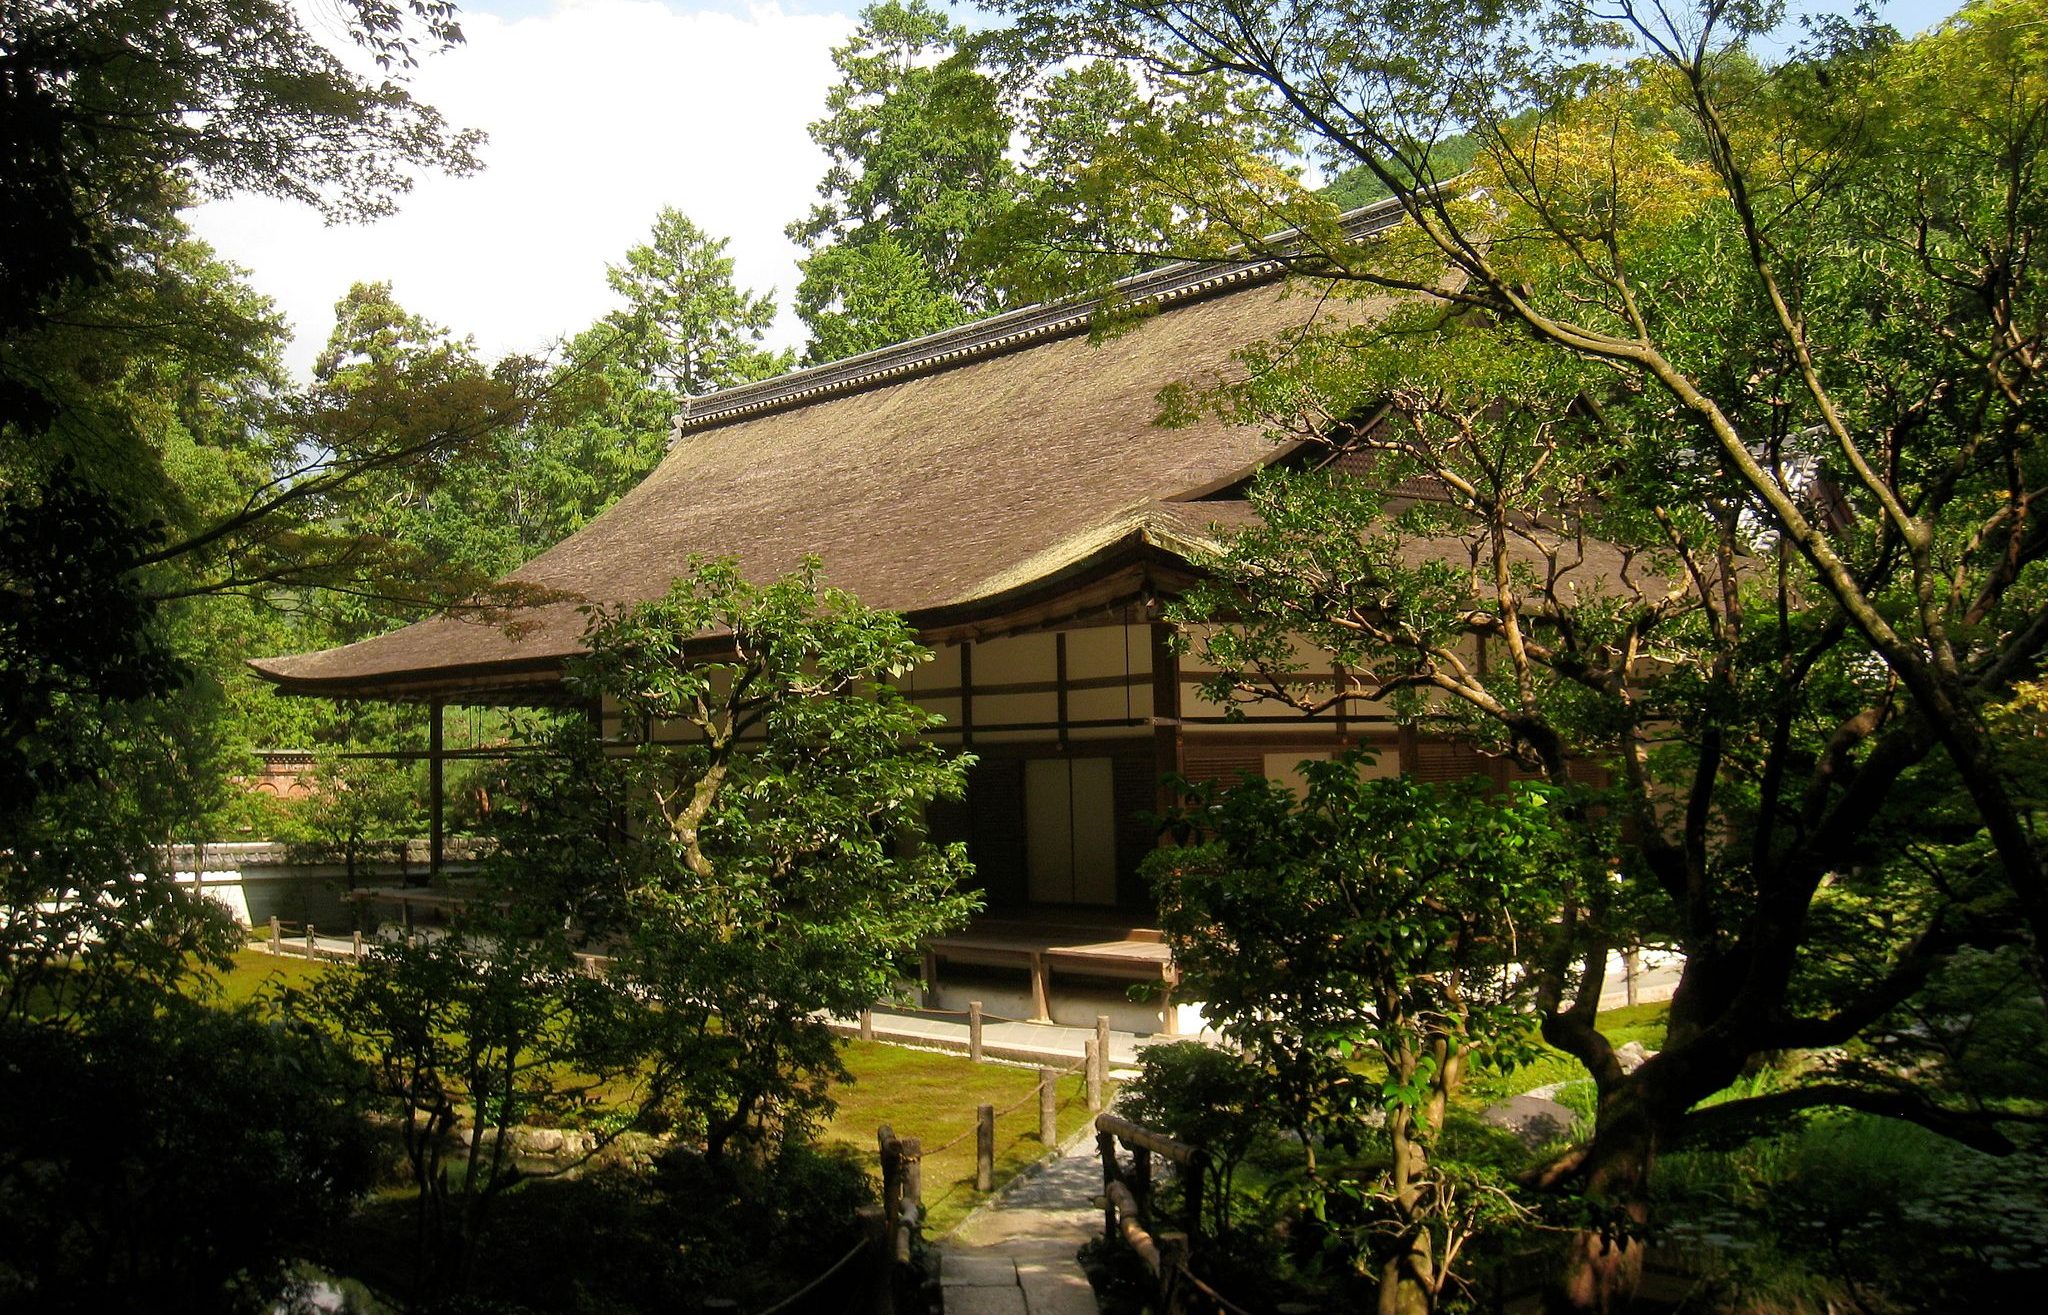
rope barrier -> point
(808, 1288)
(1007, 1109)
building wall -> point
(1073, 729)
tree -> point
(117, 114)
(1771, 334)
(149, 456)
(689, 328)
(781, 871)
(916, 135)
(179, 1156)
(1370, 919)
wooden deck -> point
(1085, 942)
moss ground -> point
(921, 1094)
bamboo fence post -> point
(1049, 1107)
(985, 1148)
(974, 1030)
(1092, 1058)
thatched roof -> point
(958, 479)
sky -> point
(600, 112)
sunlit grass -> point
(933, 1097)
(920, 1093)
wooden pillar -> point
(967, 693)
(436, 803)
(1166, 731)
(1048, 1107)
(1092, 1066)
(1059, 680)
(974, 1035)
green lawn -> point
(933, 1097)
(921, 1094)
(1644, 1023)
(255, 970)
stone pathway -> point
(1015, 1255)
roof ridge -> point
(1170, 284)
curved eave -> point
(1136, 564)
(526, 682)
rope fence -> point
(301, 940)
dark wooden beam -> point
(1166, 728)
(436, 802)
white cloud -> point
(600, 112)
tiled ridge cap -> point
(1184, 280)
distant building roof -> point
(964, 479)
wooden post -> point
(312, 951)
(436, 803)
(892, 1175)
(355, 944)
(1091, 1057)
(913, 1189)
(1105, 1146)
(1630, 959)
(1049, 1107)
(1102, 1049)
(867, 1024)
(874, 1231)
(974, 1033)
(1173, 1258)
(985, 1148)
(276, 935)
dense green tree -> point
(917, 136)
(781, 870)
(1375, 920)
(150, 456)
(688, 327)
(177, 1157)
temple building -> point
(1005, 487)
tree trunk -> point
(1405, 1280)
(1605, 1264)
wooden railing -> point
(1128, 1214)
(299, 939)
